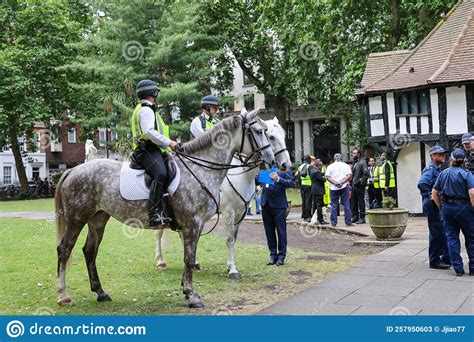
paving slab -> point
(370, 300)
(383, 310)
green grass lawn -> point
(43, 204)
(127, 269)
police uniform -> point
(438, 246)
(150, 140)
(204, 122)
(457, 211)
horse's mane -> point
(206, 139)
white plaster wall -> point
(298, 141)
(425, 125)
(375, 105)
(413, 126)
(408, 173)
(457, 113)
(376, 127)
(307, 138)
(39, 160)
(392, 124)
(403, 124)
(434, 110)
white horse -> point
(236, 194)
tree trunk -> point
(395, 26)
(280, 107)
(20, 168)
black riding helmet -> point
(147, 88)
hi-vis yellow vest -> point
(137, 133)
(380, 174)
(326, 197)
(305, 180)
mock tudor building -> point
(418, 98)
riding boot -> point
(156, 212)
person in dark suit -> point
(274, 205)
(318, 188)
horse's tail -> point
(60, 217)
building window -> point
(7, 175)
(71, 136)
(102, 137)
(413, 103)
(249, 101)
(247, 81)
(22, 144)
(113, 135)
(36, 173)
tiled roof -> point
(380, 64)
(446, 55)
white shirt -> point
(338, 171)
(147, 124)
(196, 126)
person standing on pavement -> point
(438, 245)
(385, 176)
(274, 205)
(360, 174)
(305, 188)
(453, 193)
(468, 144)
(375, 196)
(318, 188)
(339, 175)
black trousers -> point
(358, 203)
(375, 196)
(274, 221)
(306, 201)
(318, 204)
(150, 157)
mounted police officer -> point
(468, 142)
(438, 246)
(150, 141)
(208, 117)
(453, 192)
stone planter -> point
(388, 224)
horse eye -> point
(272, 137)
(259, 131)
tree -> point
(166, 43)
(34, 44)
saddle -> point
(171, 170)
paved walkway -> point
(35, 215)
(394, 281)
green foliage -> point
(389, 203)
(56, 177)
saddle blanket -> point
(132, 183)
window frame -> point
(408, 96)
(5, 167)
(72, 130)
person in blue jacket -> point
(274, 205)
(438, 245)
(453, 192)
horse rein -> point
(220, 167)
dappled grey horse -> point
(90, 193)
(237, 191)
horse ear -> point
(276, 120)
(253, 113)
(262, 123)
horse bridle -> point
(216, 166)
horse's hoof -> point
(197, 267)
(104, 298)
(198, 305)
(234, 276)
(161, 266)
(65, 301)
